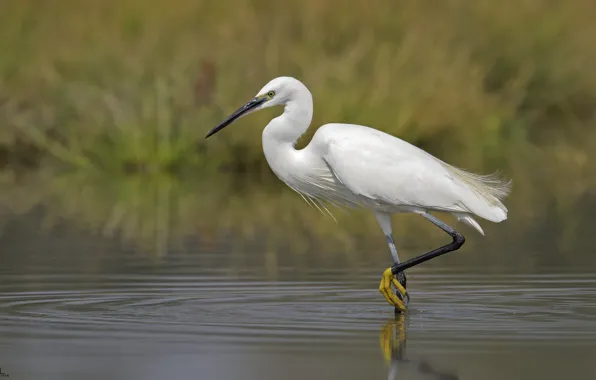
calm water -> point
(74, 305)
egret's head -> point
(277, 92)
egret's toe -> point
(405, 296)
(385, 288)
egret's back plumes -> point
(491, 187)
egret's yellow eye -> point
(271, 94)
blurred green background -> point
(104, 106)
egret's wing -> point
(387, 170)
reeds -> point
(109, 88)
(135, 84)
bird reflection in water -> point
(393, 346)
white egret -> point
(351, 165)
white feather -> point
(356, 166)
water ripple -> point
(458, 309)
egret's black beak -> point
(254, 103)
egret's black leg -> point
(458, 241)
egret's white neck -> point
(292, 166)
(295, 120)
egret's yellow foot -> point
(385, 288)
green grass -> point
(105, 89)
(115, 85)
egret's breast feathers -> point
(314, 180)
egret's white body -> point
(353, 165)
(356, 166)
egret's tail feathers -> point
(491, 188)
(467, 219)
(499, 213)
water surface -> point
(76, 305)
